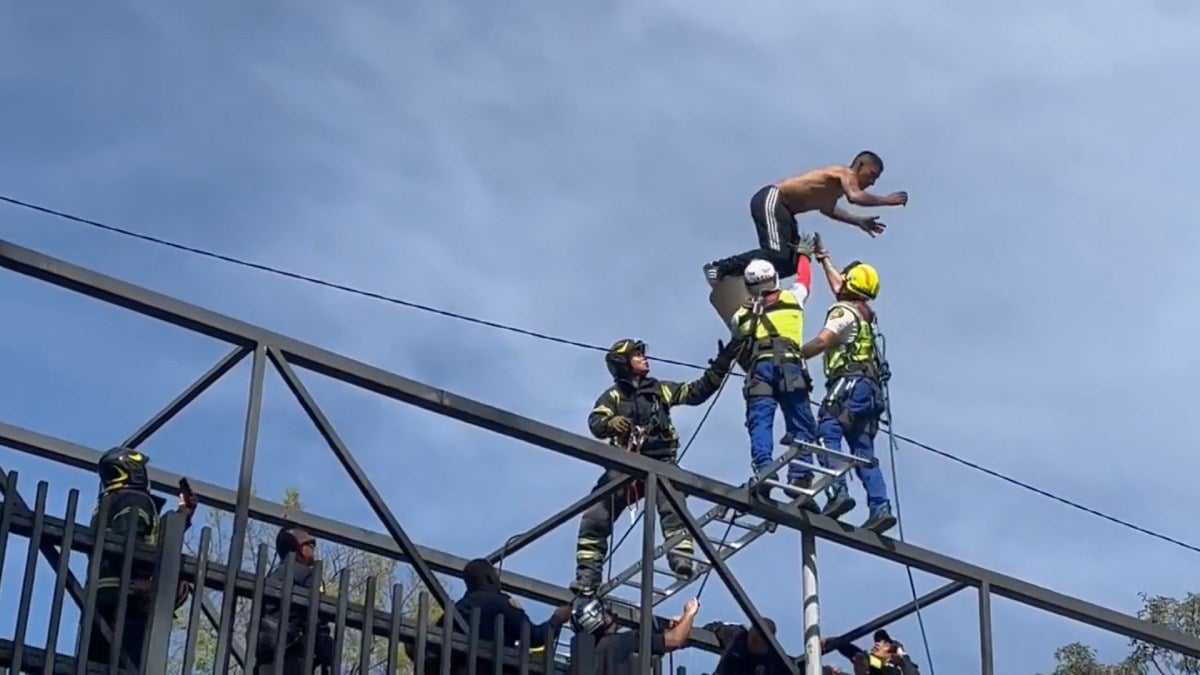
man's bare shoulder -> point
(824, 177)
(833, 171)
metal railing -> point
(150, 612)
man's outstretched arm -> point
(843, 216)
(860, 197)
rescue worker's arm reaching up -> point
(805, 247)
(700, 390)
(832, 275)
(677, 635)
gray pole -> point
(812, 614)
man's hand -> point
(692, 607)
(871, 225)
(897, 199)
(562, 614)
(618, 425)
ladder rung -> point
(637, 585)
(790, 489)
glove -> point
(618, 425)
(805, 244)
(725, 355)
(818, 247)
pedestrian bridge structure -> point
(376, 628)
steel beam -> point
(645, 635)
(718, 565)
(910, 607)
(520, 541)
(985, 630)
(301, 354)
(188, 395)
(385, 515)
(80, 457)
(241, 510)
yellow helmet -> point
(861, 279)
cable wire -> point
(559, 340)
(912, 584)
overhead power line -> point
(556, 339)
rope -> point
(912, 584)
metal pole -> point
(241, 516)
(812, 614)
(646, 631)
(985, 628)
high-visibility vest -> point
(781, 321)
(860, 356)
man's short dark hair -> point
(867, 157)
(288, 540)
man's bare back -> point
(816, 190)
(820, 190)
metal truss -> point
(287, 354)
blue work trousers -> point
(760, 414)
(857, 421)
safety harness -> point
(779, 348)
(846, 364)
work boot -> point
(587, 580)
(805, 483)
(880, 519)
(681, 567)
(761, 489)
(839, 503)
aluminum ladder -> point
(750, 527)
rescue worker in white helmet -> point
(855, 377)
(636, 410)
(772, 324)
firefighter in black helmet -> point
(634, 413)
(125, 485)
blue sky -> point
(569, 168)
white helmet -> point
(760, 277)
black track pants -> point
(777, 234)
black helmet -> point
(123, 468)
(589, 615)
(618, 357)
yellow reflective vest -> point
(780, 321)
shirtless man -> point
(774, 209)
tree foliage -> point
(1143, 659)
(360, 567)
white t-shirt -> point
(842, 322)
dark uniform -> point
(638, 410)
(484, 591)
(294, 631)
(125, 486)
(736, 655)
